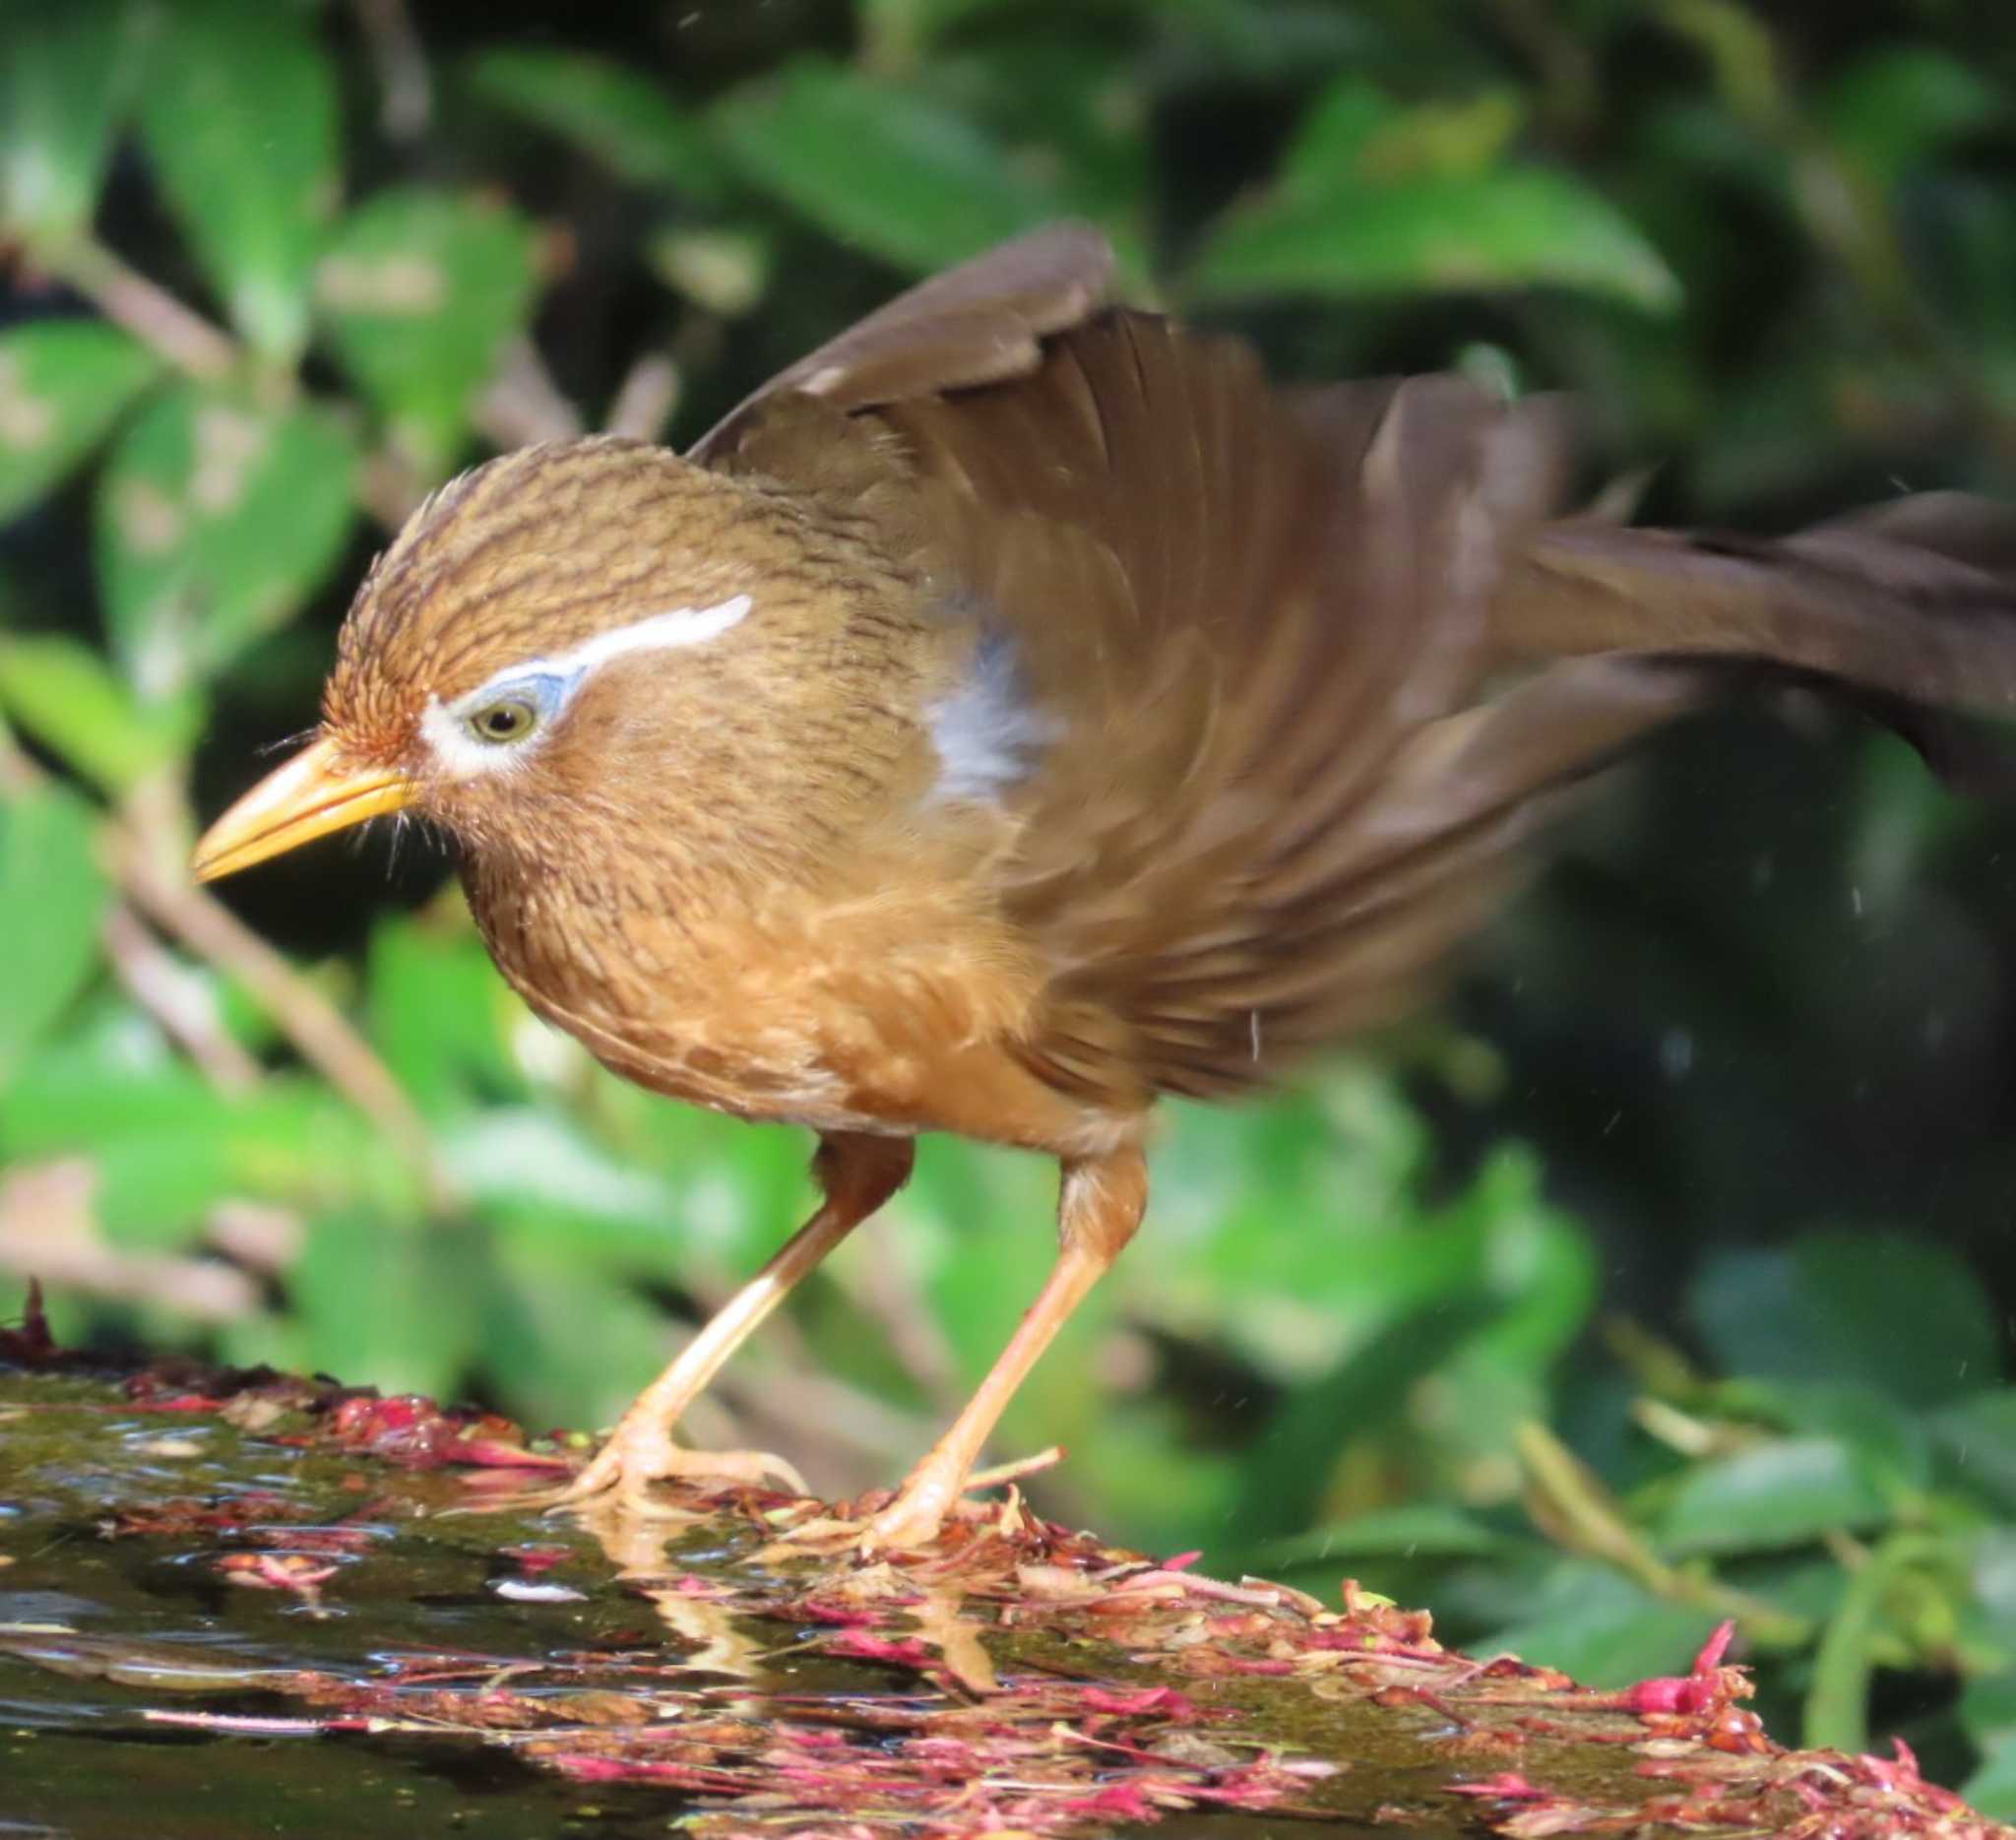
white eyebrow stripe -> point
(655, 632)
(463, 757)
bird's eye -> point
(510, 719)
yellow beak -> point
(315, 792)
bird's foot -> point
(915, 1517)
(621, 1473)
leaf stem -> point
(146, 310)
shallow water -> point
(144, 1692)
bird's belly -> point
(834, 1023)
(778, 1077)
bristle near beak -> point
(314, 794)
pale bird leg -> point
(1098, 1211)
(857, 1175)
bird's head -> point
(568, 645)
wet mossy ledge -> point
(235, 1602)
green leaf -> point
(1451, 139)
(217, 517)
(1977, 1438)
(169, 1144)
(399, 1303)
(1901, 1315)
(1991, 1789)
(878, 165)
(60, 690)
(66, 75)
(1837, 1709)
(54, 896)
(1331, 138)
(563, 1345)
(1780, 1493)
(1291, 1464)
(1988, 1712)
(239, 117)
(63, 383)
(439, 1012)
(1894, 108)
(1422, 1530)
(1892, 1443)
(1598, 1625)
(618, 115)
(535, 1171)
(421, 290)
(1520, 227)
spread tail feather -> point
(1913, 603)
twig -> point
(888, 1291)
(646, 399)
(388, 488)
(317, 1028)
(400, 62)
(146, 310)
(176, 999)
(49, 1226)
(210, 929)
(19, 774)
(523, 405)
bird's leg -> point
(1098, 1210)
(856, 1173)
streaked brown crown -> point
(530, 554)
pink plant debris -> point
(1110, 1687)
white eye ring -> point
(504, 722)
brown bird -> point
(1020, 708)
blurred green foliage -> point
(1709, 1166)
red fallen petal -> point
(1242, 1788)
(1122, 1801)
(1716, 1646)
(1669, 1693)
(843, 1616)
(908, 1653)
(181, 1402)
(1164, 1701)
(276, 1571)
(691, 1584)
(492, 1454)
(593, 1769)
(539, 1559)
(1506, 1785)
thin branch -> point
(400, 62)
(388, 488)
(646, 399)
(176, 998)
(313, 1024)
(19, 774)
(523, 405)
(146, 310)
(50, 1227)
(887, 1290)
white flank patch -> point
(987, 735)
(549, 681)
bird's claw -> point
(621, 1473)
